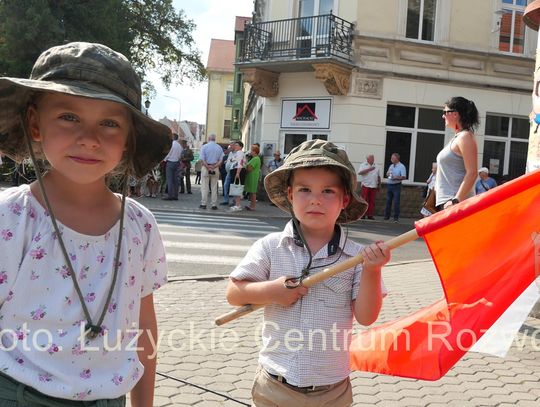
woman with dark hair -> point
(457, 166)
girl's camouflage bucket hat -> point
(315, 153)
(88, 70)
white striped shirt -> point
(307, 342)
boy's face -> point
(317, 196)
(83, 139)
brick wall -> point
(411, 201)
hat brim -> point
(276, 185)
(152, 139)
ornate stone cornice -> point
(336, 78)
(264, 83)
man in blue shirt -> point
(211, 155)
(485, 183)
(395, 175)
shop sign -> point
(306, 113)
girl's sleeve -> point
(155, 264)
(12, 243)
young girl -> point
(79, 263)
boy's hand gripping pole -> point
(317, 278)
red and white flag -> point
(487, 253)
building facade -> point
(238, 83)
(372, 76)
(220, 69)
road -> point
(208, 244)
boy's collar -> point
(332, 245)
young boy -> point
(304, 359)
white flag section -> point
(498, 339)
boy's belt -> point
(307, 389)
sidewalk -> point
(223, 359)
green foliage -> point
(151, 33)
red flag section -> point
(484, 252)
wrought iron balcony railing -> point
(324, 36)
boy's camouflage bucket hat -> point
(315, 153)
(89, 70)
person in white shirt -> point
(316, 185)
(235, 171)
(172, 169)
(371, 180)
(396, 174)
(211, 156)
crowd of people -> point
(231, 165)
(454, 175)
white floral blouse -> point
(41, 318)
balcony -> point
(298, 41)
(319, 43)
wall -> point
(217, 112)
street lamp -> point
(147, 105)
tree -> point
(151, 33)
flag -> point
(487, 252)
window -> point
(505, 146)
(511, 26)
(236, 116)
(421, 19)
(293, 140)
(226, 129)
(417, 134)
(228, 98)
(238, 83)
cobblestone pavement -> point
(224, 359)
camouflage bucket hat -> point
(315, 153)
(88, 70)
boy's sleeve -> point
(255, 266)
(356, 283)
(154, 273)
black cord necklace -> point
(294, 282)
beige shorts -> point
(269, 392)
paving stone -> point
(365, 399)
(241, 394)
(189, 399)
(483, 401)
(162, 401)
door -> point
(312, 33)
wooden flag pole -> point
(317, 278)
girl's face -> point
(83, 139)
(317, 196)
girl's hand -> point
(282, 295)
(376, 255)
